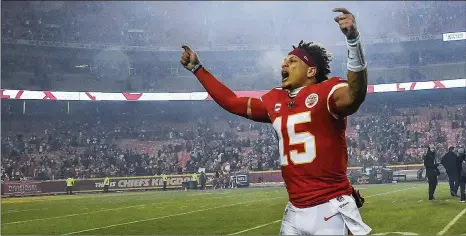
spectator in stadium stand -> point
(431, 172)
(106, 184)
(449, 161)
(165, 180)
(69, 185)
(462, 173)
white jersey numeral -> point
(295, 138)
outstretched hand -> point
(189, 58)
(346, 22)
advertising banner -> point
(89, 185)
(242, 179)
(21, 187)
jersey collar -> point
(294, 92)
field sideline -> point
(388, 208)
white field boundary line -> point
(257, 227)
(276, 221)
(168, 216)
(78, 196)
(14, 211)
(108, 209)
(64, 216)
(390, 192)
(63, 198)
(45, 208)
(452, 222)
(84, 196)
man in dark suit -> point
(431, 172)
(461, 162)
(450, 162)
(203, 180)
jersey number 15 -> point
(295, 138)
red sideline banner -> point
(276, 175)
(94, 185)
(21, 187)
(138, 182)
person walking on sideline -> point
(106, 184)
(431, 172)
(165, 180)
(69, 185)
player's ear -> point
(311, 72)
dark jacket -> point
(460, 159)
(431, 166)
(450, 162)
(203, 178)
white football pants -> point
(339, 216)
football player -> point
(308, 113)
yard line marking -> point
(273, 222)
(77, 214)
(167, 216)
(14, 211)
(395, 191)
(452, 222)
(257, 227)
(84, 196)
(103, 210)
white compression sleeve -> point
(356, 61)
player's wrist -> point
(196, 68)
(356, 60)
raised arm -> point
(251, 108)
(348, 99)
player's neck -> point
(293, 92)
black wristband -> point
(196, 68)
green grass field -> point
(388, 208)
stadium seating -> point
(50, 147)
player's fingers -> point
(185, 55)
(346, 24)
(340, 18)
(341, 9)
(183, 62)
(187, 48)
(343, 17)
(343, 22)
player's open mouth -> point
(285, 75)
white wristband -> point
(196, 68)
(356, 61)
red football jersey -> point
(312, 142)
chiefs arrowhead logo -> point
(311, 100)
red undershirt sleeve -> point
(251, 108)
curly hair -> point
(320, 57)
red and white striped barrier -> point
(201, 96)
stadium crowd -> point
(127, 23)
(118, 23)
(120, 144)
(93, 143)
